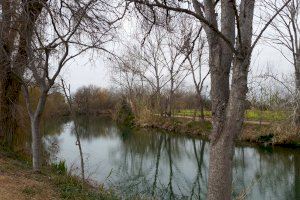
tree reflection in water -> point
(150, 163)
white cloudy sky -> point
(82, 71)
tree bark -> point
(36, 144)
(9, 95)
(297, 80)
(228, 115)
(35, 119)
(10, 72)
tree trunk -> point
(36, 144)
(201, 107)
(9, 95)
(297, 80)
(228, 115)
(220, 169)
(78, 143)
(10, 86)
(222, 145)
(35, 132)
(169, 106)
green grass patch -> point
(253, 114)
(31, 191)
(192, 112)
(266, 115)
(73, 188)
(201, 126)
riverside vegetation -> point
(165, 59)
(54, 181)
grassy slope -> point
(255, 115)
(272, 134)
(18, 182)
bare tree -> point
(160, 62)
(175, 61)
(287, 35)
(197, 61)
(230, 47)
(76, 27)
(68, 96)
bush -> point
(60, 168)
(124, 114)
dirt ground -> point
(18, 182)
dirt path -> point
(17, 182)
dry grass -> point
(274, 134)
(19, 183)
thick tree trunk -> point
(9, 95)
(228, 114)
(222, 145)
(297, 80)
(220, 169)
(10, 86)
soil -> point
(18, 182)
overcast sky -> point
(82, 71)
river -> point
(155, 164)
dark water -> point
(151, 163)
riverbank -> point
(19, 182)
(277, 133)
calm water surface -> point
(166, 166)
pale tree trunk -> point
(36, 144)
(36, 134)
(35, 120)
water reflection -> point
(154, 164)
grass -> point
(54, 182)
(253, 114)
(31, 191)
(72, 187)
